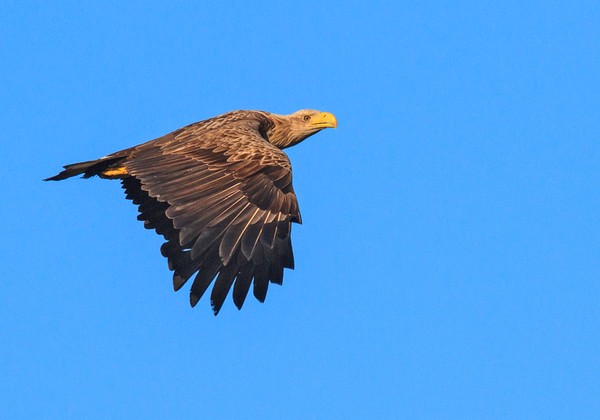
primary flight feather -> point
(220, 192)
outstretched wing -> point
(223, 200)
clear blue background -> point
(448, 265)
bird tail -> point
(110, 167)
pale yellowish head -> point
(310, 119)
(288, 130)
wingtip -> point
(178, 282)
(238, 304)
(216, 308)
(194, 298)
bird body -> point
(220, 192)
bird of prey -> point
(220, 192)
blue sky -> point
(448, 265)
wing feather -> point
(242, 284)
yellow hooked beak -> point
(324, 120)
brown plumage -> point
(220, 192)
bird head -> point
(293, 128)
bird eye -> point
(306, 118)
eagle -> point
(220, 193)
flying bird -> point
(220, 192)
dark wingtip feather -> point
(194, 299)
(242, 285)
(178, 281)
(203, 279)
(216, 307)
(261, 282)
(222, 286)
